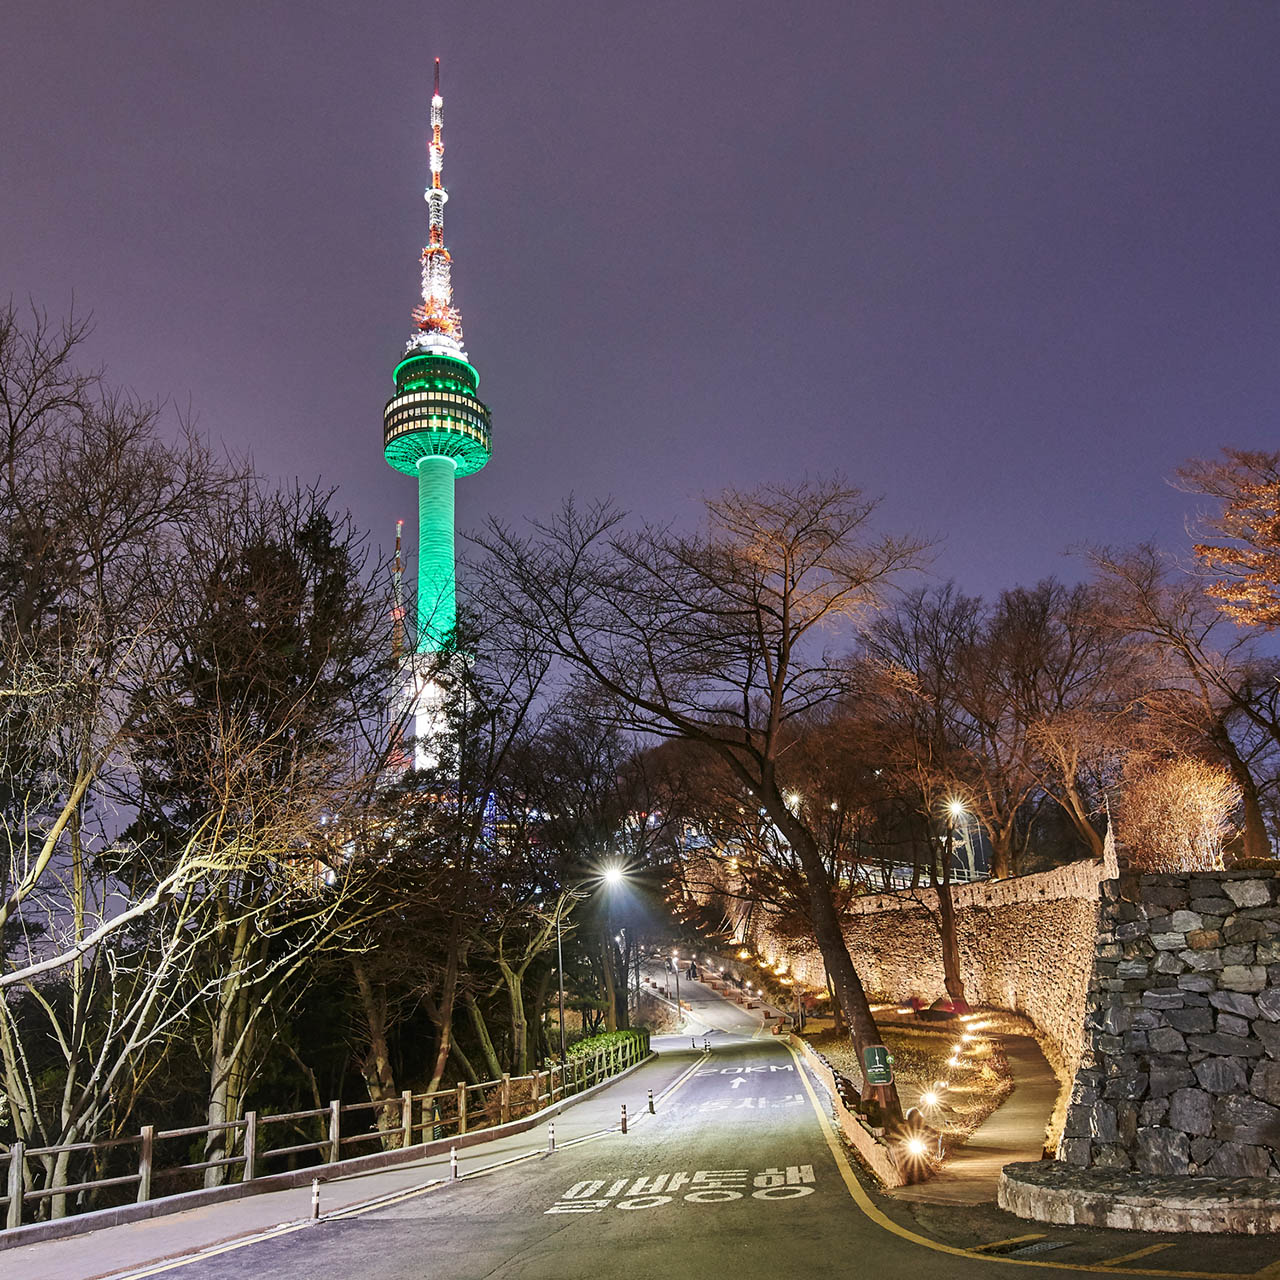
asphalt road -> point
(735, 1178)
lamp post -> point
(955, 809)
(609, 876)
(675, 965)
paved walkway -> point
(1013, 1132)
(121, 1250)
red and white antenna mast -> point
(438, 321)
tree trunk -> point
(1001, 856)
(610, 995)
(491, 1062)
(442, 1015)
(1254, 835)
(1079, 815)
(519, 1024)
(951, 975)
(375, 1065)
(225, 1049)
(831, 943)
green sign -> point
(877, 1063)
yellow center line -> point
(999, 1244)
(881, 1219)
(1136, 1254)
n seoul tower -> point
(435, 427)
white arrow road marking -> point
(737, 1082)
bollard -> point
(624, 1117)
(551, 1136)
(315, 1199)
(693, 1042)
(453, 1164)
(706, 1046)
(651, 1102)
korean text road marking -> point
(705, 1186)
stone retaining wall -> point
(1181, 1066)
(1026, 945)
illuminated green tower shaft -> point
(435, 427)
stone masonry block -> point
(1203, 939)
(1191, 1111)
(1240, 1002)
(1265, 1082)
(1248, 893)
(1166, 1039)
(1242, 978)
(1245, 1119)
(1236, 1160)
(1200, 1020)
(1225, 1046)
(1269, 1004)
(1162, 1151)
(1232, 1024)
(1220, 1076)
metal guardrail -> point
(394, 1123)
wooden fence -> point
(246, 1146)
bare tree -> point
(719, 637)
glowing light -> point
(955, 808)
(916, 1147)
(928, 1099)
(953, 1062)
(614, 875)
(967, 1037)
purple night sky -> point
(1007, 264)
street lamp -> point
(612, 875)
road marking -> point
(1136, 1254)
(1267, 1272)
(705, 1186)
(154, 1270)
(881, 1219)
(1000, 1244)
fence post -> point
(462, 1107)
(250, 1147)
(335, 1138)
(504, 1098)
(17, 1181)
(537, 1090)
(146, 1162)
(406, 1118)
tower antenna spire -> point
(439, 323)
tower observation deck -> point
(435, 427)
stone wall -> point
(1026, 945)
(1181, 1066)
